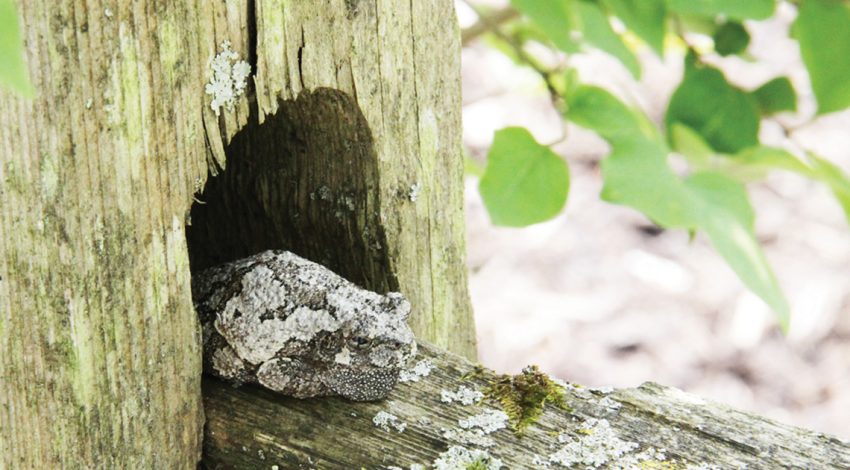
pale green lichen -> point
(171, 47)
(524, 397)
(421, 369)
(473, 429)
(461, 458)
(610, 404)
(228, 80)
(384, 420)
(598, 446)
(413, 194)
(464, 396)
(489, 421)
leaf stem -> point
(482, 25)
(491, 23)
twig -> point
(481, 26)
(520, 52)
(491, 23)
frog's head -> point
(371, 347)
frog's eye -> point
(359, 341)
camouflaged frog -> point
(297, 328)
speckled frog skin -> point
(297, 328)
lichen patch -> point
(461, 458)
(489, 421)
(421, 369)
(384, 420)
(598, 446)
(228, 80)
(464, 396)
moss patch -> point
(524, 395)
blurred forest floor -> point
(600, 296)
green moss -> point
(477, 372)
(523, 396)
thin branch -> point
(490, 23)
(512, 41)
(481, 26)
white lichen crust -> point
(228, 80)
(385, 420)
(464, 396)
(421, 369)
(297, 328)
(460, 458)
(599, 445)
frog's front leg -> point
(292, 376)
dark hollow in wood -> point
(306, 181)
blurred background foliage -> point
(709, 123)
(13, 74)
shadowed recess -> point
(306, 180)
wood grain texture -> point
(99, 350)
(251, 428)
(99, 357)
(364, 99)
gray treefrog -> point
(297, 328)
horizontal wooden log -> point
(249, 427)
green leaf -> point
(596, 109)
(723, 115)
(472, 167)
(836, 179)
(733, 9)
(645, 18)
(520, 30)
(759, 160)
(731, 38)
(823, 31)
(553, 17)
(636, 174)
(750, 164)
(598, 33)
(775, 96)
(726, 215)
(558, 19)
(724, 194)
(754, 163)
(773, 157)
(524, 182)
(565, 82)
(688, 143)
(525, 30)
(13, 73)
(697, 24)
